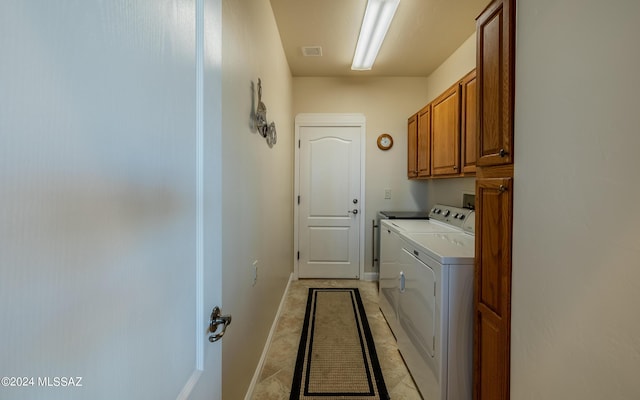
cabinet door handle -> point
(402, 282)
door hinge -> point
(434, 291)
(298, 199)
(298, 255)
(298, 143)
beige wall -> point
(257, 186)
(386, 104)
(576, 249)
(457, 65)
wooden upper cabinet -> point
(412, 146)
(424, 141)
(445, 133)
(495, 29)
(468, 123)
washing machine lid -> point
(405, 214)
(418, 225)
(445, 248)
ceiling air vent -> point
(312, 51)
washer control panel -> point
(451, 215)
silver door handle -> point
(215, 321)
(354, 212)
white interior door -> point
(108, 259)
(331, 203)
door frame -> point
(329, 119)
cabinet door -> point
(492, 288)
(445, 133)
(468, 123)
(424, 141)
(495, 30)
(412, 147)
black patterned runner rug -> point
(337, 356)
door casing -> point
(329, 119)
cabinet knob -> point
(502, 189)
(455, 167)
(503, 153)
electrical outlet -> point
(387, 194)
(254, 270)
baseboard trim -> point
(265, 350)
(370, 277)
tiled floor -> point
(277, 372)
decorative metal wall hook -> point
(266, 130)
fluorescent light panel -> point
(377, 18)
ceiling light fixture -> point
(377, 18)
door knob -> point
(215, 321)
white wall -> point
(576, 249)
(386, 103)
(257, 185)
(458, 64)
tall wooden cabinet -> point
(494, 199)
(495, 31)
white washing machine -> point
(428, 301)
(441, 219)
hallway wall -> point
(575, 326)
(257, 185)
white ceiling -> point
(422, 35)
